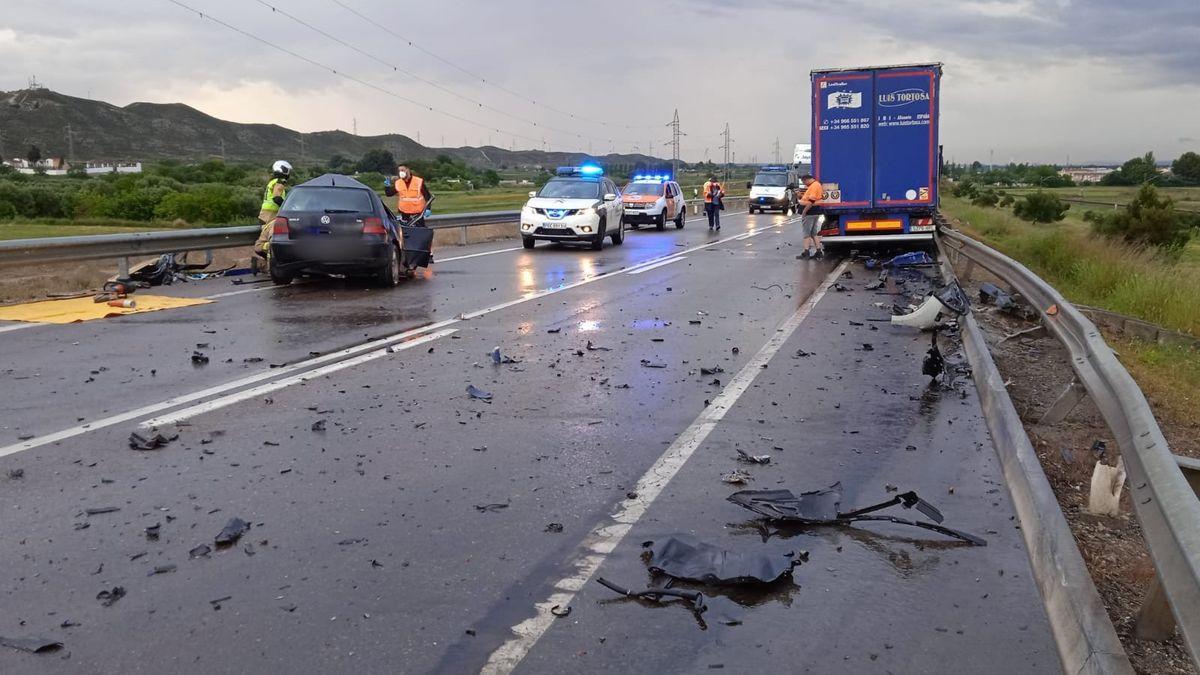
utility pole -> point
(777, 150)
(727, 147)
(70, 144)
(675, 134)
(301, 147)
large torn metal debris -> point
(823, 507)
(948, 300)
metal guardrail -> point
(1165, 504)
(107, 246)
(103, 246)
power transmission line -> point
(335, 71)
(777, 150)
(413, 75)
(477, 76)
(675, 134)
(727, 147)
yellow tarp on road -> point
(73, 310)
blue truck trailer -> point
(875, 150)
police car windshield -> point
(571, 188)
(643, 189)
(771, 179)
(328, 199)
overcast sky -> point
(1025, 80)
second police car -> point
(580, 204)
(774, 187)
(654, 199)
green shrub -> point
(986, 198)
(966, 189)
(1150, 219)
(1041, 207)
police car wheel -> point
(679, 220)
(750, 210)
(660, 221)
(618, 237)
(598, 240)
(527, 242)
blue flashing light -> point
(651, 178)
(591, 170)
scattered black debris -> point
(837, 286)
(800, 353)
(253, 359)
(712, 371)
(653, 364)
(561, 612)
(16, 474)
(990, 293)
(554, 330)
(743, 456)
(933, 365)
(554, 528)
(82, 526)
(735, 350)
(161, 569)
(69, 623)
(233, 530)
(694, 599)
(200, 551)
(593, 348)
(760, 288)
(319, 425)
(199, 359)
(216, 604)
(31, 645)
(102, 510)
(1099, 447)
(477, 393)
(153, 532)
(500, 359)
(868, 347)
(684, 557)
(108, 598)
(695, 322)
(856, 323)
(954, 298)
(490, 508)
(140, 442)
(823, 507)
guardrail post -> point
(1154, 621)
(1066, 402)
(123, 268)
(462, 239)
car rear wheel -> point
(527, 242)
(278, 277)
(618, 237)
(750, 209)
(598, 240)
(660, 221)
(391, 274)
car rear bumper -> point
(834, 239)
(324, 255)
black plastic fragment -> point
(199, 359)
(200, 551)
(954, 298)
(140, 442)
(108, 598)
(31, 645)
(823, 507)
(102, 510)
(477, 393)
(695, 599)
(991, 293)
(647, 363)
(933, 364)
(685, 557)
(233, 530)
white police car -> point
(580, 204)
(774, 187)
(654, 200)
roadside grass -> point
(1187, 198)
(52, 227)
(1092, 270)
(1169, 376)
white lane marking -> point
(606, 536)
(247, 394)
(657, 265)
(229, 294)
(214, 390)
(478, 255)
(236, 384)
(19, 326)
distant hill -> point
(158, 131)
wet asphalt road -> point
(411, 533)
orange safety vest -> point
(710, 190)
(409, 198)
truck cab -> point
(773, 188)
(875, 151)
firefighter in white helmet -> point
(273, 198)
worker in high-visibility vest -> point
(411, 193)
(810, 217)
(714, 196)
(273, 198)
